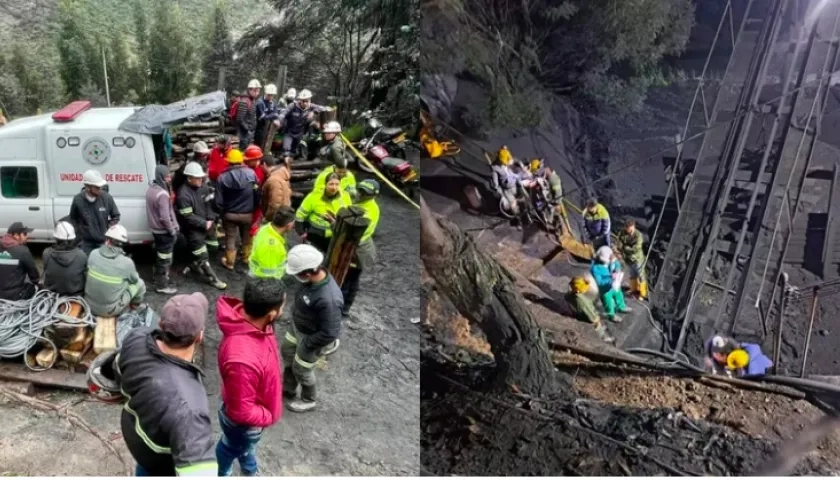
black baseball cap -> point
(18, 227)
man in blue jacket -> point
(237, 196)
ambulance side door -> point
(26, 198)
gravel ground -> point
(367, 422)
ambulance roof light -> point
(71, 111)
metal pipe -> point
(810, 332)
(777, 349)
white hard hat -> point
(303, 257)
(201, 147)
(304, 95)
(118, 233)
(64, 231)
(291, 93)
(193, 169)
(332, 127)
(93, 177)
(604, 254)
(254, 84)
(270, 89)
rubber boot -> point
(643, 292)
(634, 286)
(164, 284)
(229, 261)
(331, 348)
(212, 279)
(306, 402)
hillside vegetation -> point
(353, 53)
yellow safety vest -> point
(268, 257)
(348, 181)
(371, 213)
(316, 207)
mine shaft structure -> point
(745, 209)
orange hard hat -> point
(253, 152)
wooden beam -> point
(50, 378)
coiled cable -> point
(22, 323)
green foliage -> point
(120, 72)
(170, 56)
(358, 55)
(606, 51)
(73, 51)
(219, 51)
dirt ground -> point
(367, 422)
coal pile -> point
(469, 432)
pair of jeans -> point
(237, 443)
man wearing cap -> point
(250, 371)
(268, 258)
(164, 227)
(316, 325)
(19, 276)
(93, 210)
(112, 284)
(166, 420)
(197, 221)
(365, 257)
(65, 264)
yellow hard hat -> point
(235, 156)
(579, 285)
(737, 359)
(535, 165)
(504, 156)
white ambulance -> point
(42, 160)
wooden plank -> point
(17, 372)
(105, 335)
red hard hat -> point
(253, 152)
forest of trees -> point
(355, 54)
(602, 52)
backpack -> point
(234, 106)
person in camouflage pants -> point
(630, 243)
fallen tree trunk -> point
(485, 293)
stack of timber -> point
(184, 136)
(75, 347)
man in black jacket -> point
(65, 264)
(196, 220)
(93, 211)
(316, 324)
(166, 420)
(18, 274)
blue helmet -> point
(369, 187)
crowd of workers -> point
(167, 424)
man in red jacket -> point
(250, 369)
(218, 157)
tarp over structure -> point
(153, 119)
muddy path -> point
(367, 422)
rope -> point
(22, 323)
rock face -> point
(438, 92)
